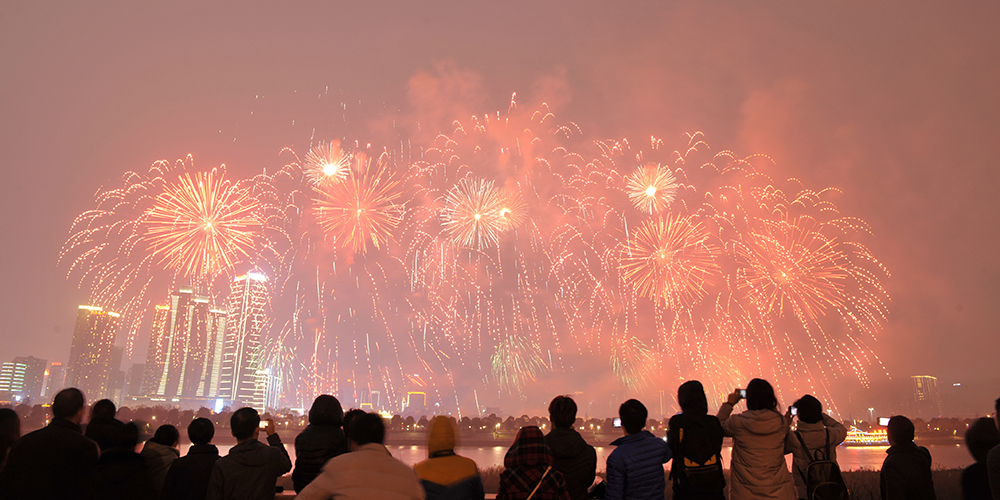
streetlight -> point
(871, 414)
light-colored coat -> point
(367, 472)
(815, 436)
(758, 469)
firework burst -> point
(201, 224)
(475, 214)
(361, 212)
(327, 164)
(652, 188)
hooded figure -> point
(758, 469)
(322, 440)
(445, 475)
(528, 470)
(695, 438)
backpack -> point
(822, 475)
(701, 466)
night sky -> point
(895, 103)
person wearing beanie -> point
(445, 475)
(819, 431)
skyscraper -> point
(55, 380)
(91, 352)
(12, 381)
(240, 382)
(34, 375)
(185, 348)
(926, 396)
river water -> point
(849, 457)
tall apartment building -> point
(34, 376)
(12, 381)
(926, 397)
(241, 361)
(90, 356)
(55, 380)
(184, 358)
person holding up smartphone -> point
(815, 434)
(757, 469)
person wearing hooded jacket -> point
(572, 456)
(320, 441)
(251, 469)
(528, 470)
(690, 431)
(758, 469)
(445, 475)
(819, 431)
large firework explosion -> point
(512, 250)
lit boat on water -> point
(858, 437)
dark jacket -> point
(906, 473)
(188, 476)
(575, 459)
(445, 475)
(54, 462)
(106, 432)
(250, 471)
(635, 467)
(313, 447)
(123, 473)
(159, 457)
(975, 482)
(528, 464)
(993, 471)
(702, 437)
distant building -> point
(184, 357)
(12, 381)
(241, 359)
(134, 379)
(90, 355)
(55, 380)
(34, 376)
(926, 396)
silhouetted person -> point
(758, 469)
(993, 458)
(906, 471)
(55, 461)
(572, 456)
(819, 431)
(161, 451)
(349, 416)
(635, 467)
(121, 472)
(102, 427)
(251, 469)
(695, 438)
(528, 470)
(980, 438)
(320, 441)
(446, 475)
(188, 476)
(10, 431)
(368, 471)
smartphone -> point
(617, 422)
(795, 411)
(883, 421)
(743, 393)
(263, 424)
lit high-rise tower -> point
(34, 376)
(926, 398)
(244, 322)
(91, 352)
(184, 358)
